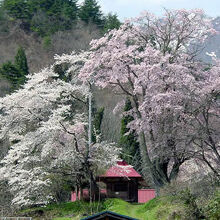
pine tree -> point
(63, 9)
(11, 73)
(21, 61)
(129, 143)
(90, 12)
(111, 22)
(21, 65)
(16, 73)
(70, 9)
(17, 9)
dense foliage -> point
(111, 22)
(16, 73)
(175, 102)
(25, 10)
(90, 12)
(21, 61)
(212, 210)
(45, 123)
(48, 16)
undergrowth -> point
(162, 208)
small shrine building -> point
(124, 182)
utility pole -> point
(90, 140)
(90, 120)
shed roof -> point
(108, 215)
(122, 169)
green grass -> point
(159, 208)
(69, 210)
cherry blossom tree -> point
(204, 122)
(45, 123)
(153, 61)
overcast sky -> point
(132, 8)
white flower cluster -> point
(46, 131)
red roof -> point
(121, 170)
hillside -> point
(40, 47)
(212, 44)
(163, 208)
(40, 56)
(45, 28)
(39, 53)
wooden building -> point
(121, 181)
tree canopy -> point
(22, 9)
(16, 73)
(111, 22)
(90, 12)
(21, 61)
(45, 123)
(153, 61)
(48, 16)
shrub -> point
(181, 193)
(212, 210)
(47, 42)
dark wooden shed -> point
(121, 182)
(107, 215)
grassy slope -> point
(160, 208)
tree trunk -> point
(175, 170)
(81, 193)
(94, 189)
(77, 193)
(159, 177)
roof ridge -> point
(109, 212)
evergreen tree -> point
(64, 9)
(129, 143)
(17, 9)
(43, 5)
(90, 12)
(53, 16)
(111, 22)
(10, 72)
(16, 73)
(43, 16)
(49, 16)
(21, 62)
(4, 24)
(70, 9)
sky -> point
(132, 8)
